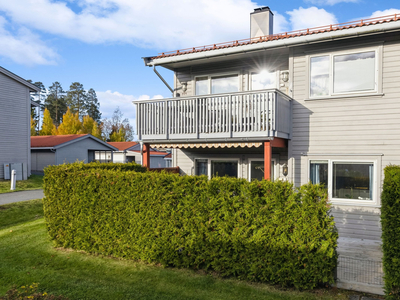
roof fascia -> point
(282, 43)
(32, 87)
(42, 148)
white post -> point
(13, 179)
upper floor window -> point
(263, 80)
(217, 84)
(345, 73)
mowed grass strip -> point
(20, 212)
(34, 182)
(27, 256)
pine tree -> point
(77, 99)
(70, 124)
(48, 127)
(56, 102)
(93, 105)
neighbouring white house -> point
(130, 152)
(15, 112)
(58, 149)
(318, 104)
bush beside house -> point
(261, 231)
(390, 219)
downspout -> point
(163, 80)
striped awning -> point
(208, 145)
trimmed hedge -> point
(105, 166)
(258, 230)
(390, 219)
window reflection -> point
(224, 84)
(319, 81)
(263, 80)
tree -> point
(33, 127)
(37, 97)
(56, 102)
(96, 132)
(117, 128)
(93, 105)
(77, 99)
(48, 127)
(70, 124)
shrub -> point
(390, 219)
(260, 231)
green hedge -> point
(260, 231)
(105, 166)
(390, 219)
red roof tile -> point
(52, 140)
(286, 35)
(121, 146)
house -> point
(58, 149)
(319, 104)
(130, 152)
(15, 112)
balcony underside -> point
(236, 117)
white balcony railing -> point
(243, 115)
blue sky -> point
(99, 43)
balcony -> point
(243, 116)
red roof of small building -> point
(285, 35)
(121, 146)
(52, 140)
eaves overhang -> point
(290, 41)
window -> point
(256, 170)
(344, 73)
(224, 168)
(352, 180)
(263, 80)
(217, 84)
(201, 167)
(319, 172)
(345, 180)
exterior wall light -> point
(184, 87)
(285, 170)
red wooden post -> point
(267, 160)
(146, 155)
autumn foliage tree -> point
(70, 124)
(117, 128)
(48, 127)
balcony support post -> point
(146, 155)
(267, 160)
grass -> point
(34, 182)
(27, 256)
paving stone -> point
(354, 297)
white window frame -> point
(277, 78)
(209, 162)
(217, 75)
(345, 201)
(273, 160)
(331, 55)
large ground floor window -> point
(256, 169)
(216, 167)
(348, 180)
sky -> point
(100, 43)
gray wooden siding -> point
(14, 123)
(78, 151)
(351, 128)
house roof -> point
(58, 141)
(321, 33)
(121, 146)
(32, 87)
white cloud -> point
(382, 13)
(330, 2)
(109, 101)
(280, 23)
(303, 18)
(24, 47)
(152, 23)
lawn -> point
(34, 182)
(27, 256)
